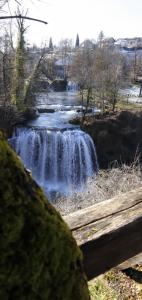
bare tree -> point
(6, 66)
(83, 72)
(114, 79)
(65, 48)
(99, 72)
(108, 70)
(47, 66)
(29, 98)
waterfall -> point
(72, 86)
(59, 161)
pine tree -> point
(19, 70)
(51, 44)
(77, 41)
(100, 38)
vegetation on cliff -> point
(117, 137)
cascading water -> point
(59, 161)
(72, 86)
(59, 155)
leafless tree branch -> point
(22, 17)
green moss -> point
(39, 258)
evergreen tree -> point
(50, 44)
(77, 41)
(19, 70)
(100, 38)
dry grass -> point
(106, 185)
(125, 287)
(100, 290)
(113, 285)
(123, 105)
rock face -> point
(10, 117)
(117, 138)
(59, 85)
(30, 113)
(39, 258)
(46, 110)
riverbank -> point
(109, 183)
(117, 137)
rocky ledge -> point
(11, 117)
(118, 138)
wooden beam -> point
(109, 232)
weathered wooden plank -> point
(103, 209)
(110, 232)
(137, 259)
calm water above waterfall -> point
(60, 156)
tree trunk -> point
(89, 94)
(140, 92)
(114, 103)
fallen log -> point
(109, 232)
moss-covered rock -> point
(39, 258)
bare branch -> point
(22, 17)
(17, 2)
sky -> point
(66, 18)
